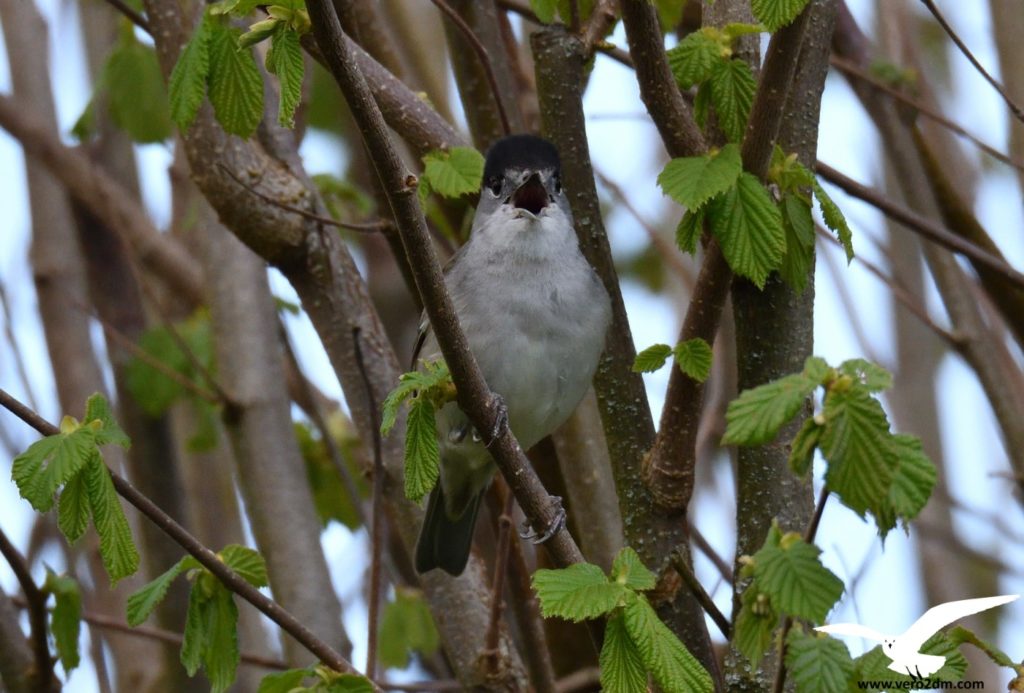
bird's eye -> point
(495, 186)
(558, 183)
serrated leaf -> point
(857, 444)
(50, 462)
(628, 570)
(576, 593)
(688, 232)
(652, 358)
(801, 450)
(959, 635)
(749, 227)
(235, 85)
(622, 667)
(735, 30)
(433, 375)
(120, 557)
(799, 226)
(141, 603)
(135, 89)
(873, 665)
(914, 480)
(694, 358)
(406, 626)
(455, 172)
(284, 59)
(73, 509)
(259, 31)
(693, 180)
(220, 654)
(285, 681)
(834, 219)
(755, 623)
(187, 84)
(755, 417)
(194, 638)
(692, 60)
(792, 177)
(732, 94)
(816, 368)
(248, 563)
(544, 9)
(98, 409)
(66, 619)
(776, 14)
(422, 458)
(791, 574)
(702, 104)
(673, 667)
(818, 664)
(349, 683)
(868, 375)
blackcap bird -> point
(535, 314)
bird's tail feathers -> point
(445, 543)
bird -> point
(904, 650)
(535, 314)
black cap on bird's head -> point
(522, 152)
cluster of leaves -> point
(406, 626)
(325, 680)
(71, 461)
(636, 642)
(424, 392)
(330, 497)
(871, 469)
(693, 357)
(454, 173)
(217, 62)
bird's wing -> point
(854, 629)
(424, 328)
(944, 614)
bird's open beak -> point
(531, 195)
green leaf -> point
(622, 667)
(694, 358)
(959, 635)
(406, 626)
(776, 14)
(861, 457)
(693, 59)
(236, 88)
(284, 59)
(914, 480)
(789, 571)
(818, 664)
(85, 126)
(422, 458)
(248, 563)
(691, 181)
(98, 409)
(220, 655)
(152, 389)
(544, 9)
(259, 31)
(691, 226)
(52, 461)
(135, 88)
(755, 625)
(285, 681)
(834, 219)
(702, 104)
(652, 358)
(350, 683)
(434, 374)
(141, 603)
(732, 94)
(792, 177)
(187, 85)
(66, 620)
(576, 593)
(455, 172)
(330, 496)
(194, 639)
(869, 376)
(73, 509)
(629, 571)
(670, 13)
(673, 667)
(799, 226)
(755, 417)
(734, 30)
(801, 450)
(120, 557)
(749, 226)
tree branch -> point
(37, 617)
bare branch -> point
(37, 617)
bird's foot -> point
(527, 532)
(500, 418)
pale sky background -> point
(887, 596)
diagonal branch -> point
(37, 617)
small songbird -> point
(535, 314)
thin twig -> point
(136, 18)
(704, 546)
(377, 527)
(482, 55)
(207, 558)
(19, 362)
(493, 637)
(1017, 112)
(580, 680)
(919, 224)
(703, 598)
(35, 600)
(380, 226)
